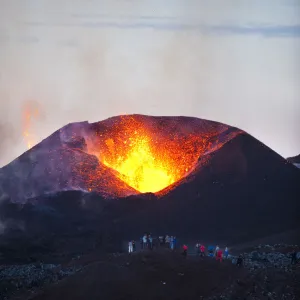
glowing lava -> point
(144, 157)
(30, 113)
(140, 167)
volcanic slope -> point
(117, 157)
(243, 192)
(294, 160)
(225, 185)
(236, 191)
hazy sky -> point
(233, 61)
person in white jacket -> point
(144, 241)
(168, 241)
(216, 250)
(130, 247)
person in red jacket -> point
(185, 249)
(202, 250)
(219, 255)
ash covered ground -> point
(66, 212)
(159, 274)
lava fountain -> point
(148, 156)
(142, 166)
(30, 113)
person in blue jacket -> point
(210, 250)
(175, 242)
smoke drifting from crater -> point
(86, 61)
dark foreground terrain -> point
(161, 274)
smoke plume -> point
(89, 62)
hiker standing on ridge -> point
(175, 242)
(130, 247)
(150, 242)
(202, 250)
(226, 252)
(161, 240)
(144, 241)
(216, 250)
(185, 249)
(210, 251)
(172, 242)
(167, 241)
(219, 255)
(239, 261)
(294, 258)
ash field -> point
(70, 204)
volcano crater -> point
(117, 157)
(150, 154)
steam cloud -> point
(78, 65)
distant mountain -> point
(295, 160)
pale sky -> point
(232, 61)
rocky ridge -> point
(30, 276)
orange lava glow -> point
(143, 158)
(29, 114)
(141, 167)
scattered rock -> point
(16, 277)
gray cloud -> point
(4, 39)
(29, 39)
(266, 31)
(69, 43)
(96, 59)
(127, 16)
(8, 136)
(223, 29)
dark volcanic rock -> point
(18, 277)
(294, 159)
(56, 164)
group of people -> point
(168, 241)
(146, 241)
(200, 249)
(216, 252)
(149, 242)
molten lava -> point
(29, 114)
(145, 158)
(140, 166)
